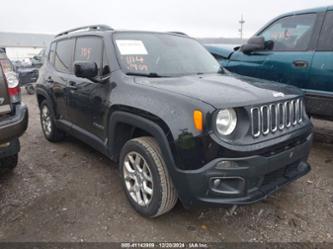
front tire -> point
(8, 164)
(147, 183)
(47, 119)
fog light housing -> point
(228, 185)
(226, 165)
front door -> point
(290, 58)
(82, 100)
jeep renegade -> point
(179, 126)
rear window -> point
(64, 55)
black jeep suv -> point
(13, 115)
(178, 125)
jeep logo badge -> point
(2, 100)
(278, 94)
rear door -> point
(290, 58)
(321, 73)
(61, 74)
(5, 105)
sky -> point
(198, 18)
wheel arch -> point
(126, 123)
(42, 94)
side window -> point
(52, 53)
(63, 55)
(292, 33)
(89, 48)
(325, 42)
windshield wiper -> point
(150, 75)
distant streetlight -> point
(241, 22)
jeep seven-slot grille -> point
(270, 118)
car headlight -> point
(226, 121)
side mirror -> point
(86, 70)
(255, 43)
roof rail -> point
(88, 28)
(177, 33)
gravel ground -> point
(69, 192)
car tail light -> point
(14, 89)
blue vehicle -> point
(295, 48)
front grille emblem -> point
(2, 100)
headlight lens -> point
(226, 121)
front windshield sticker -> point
(131, 47)
(135, 63)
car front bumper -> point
(14, 126)
(243, 180)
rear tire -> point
(147, 183)
(8, 164)
(47, 119)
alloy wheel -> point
(46, 120)
(138, 178)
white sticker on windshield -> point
(131, 47)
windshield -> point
(161, 55)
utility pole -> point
(241, 22)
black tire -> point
(8, 164)
(164, 196)
(52, 133)
(30, 89)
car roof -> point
(93, 30)
(304, 11)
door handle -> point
(300, 64)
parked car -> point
(295, 48)
(178, 125)
(27, 77)
(38, 60)
(13, 115)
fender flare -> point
(44, 93)
(142, 123)
(149, 126)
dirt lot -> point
(69, 192)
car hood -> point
(225, 51)
(224, 90)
